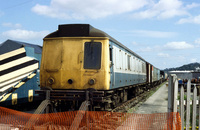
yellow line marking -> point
(31, 76)
(5, 97)
(19, 85)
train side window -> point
(137, 65)
(124, 61)
(92, 55)
(133, 63)
(110, 49)
(129, 63)
(143, 68)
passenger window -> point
(129, 63)
(143, 68)
(133, 64)
(92, 55)
(110, 54)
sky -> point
(165, 33)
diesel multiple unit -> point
(79, 58)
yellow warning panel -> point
(5, 97)
(14, 99)
(19, 85)
(30, 95)
(31, 76)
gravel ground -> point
(157, 103)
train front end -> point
(75, 62)
(75, 58)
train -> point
(80, 62)
(19, 74)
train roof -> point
(84, 30)
(11, 45)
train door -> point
(147, 73)
(151, 74)
(112, 76)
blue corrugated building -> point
(19, 72)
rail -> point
(124, 107)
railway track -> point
(116, 115)
(124, 107)
(105, 120)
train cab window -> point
(92, 55)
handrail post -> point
(194, 107)
(182, 106)
(172, 93)
(188, 105)
(172, 96)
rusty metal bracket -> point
(82, 111)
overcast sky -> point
(166, 33)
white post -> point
(188, 105)
(194, 107)
(175, 94)
(172, 96)
(199, 105)
(172, 93)
(182, 107)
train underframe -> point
(99, 100)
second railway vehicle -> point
(80, 62)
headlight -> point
(70, 81)
(51, 80)
(91, 81)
